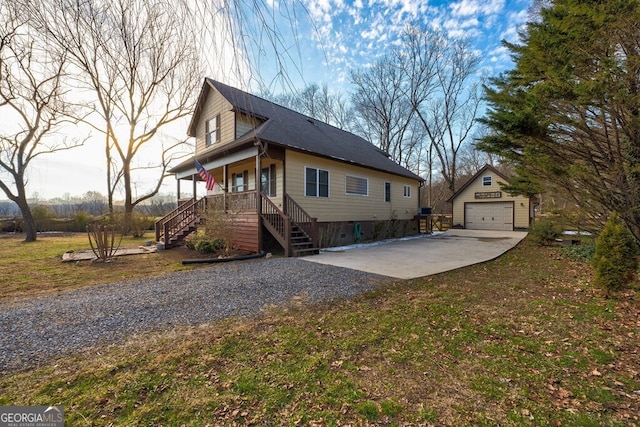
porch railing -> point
(234, 202)
(301, 218)
(277, 223)
(177, 220)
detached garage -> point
(480, 204)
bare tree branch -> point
(141, 64)
(32, 100)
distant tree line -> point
(75, 213)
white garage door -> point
(489, 216)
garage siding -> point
(477, 200)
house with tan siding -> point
(481, 204)
(288, 179)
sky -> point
(320, 41)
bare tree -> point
(139, 61)
(32, 106)
(445, 93)
(420, 102)
(318, 102)
(384, 114)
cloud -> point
(465, 8)
(348, 34)
(517, 21)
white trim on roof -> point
(231, 158)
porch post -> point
(258, 185)
(194, 187)
(226, 187)
(178, 185)
(259, 199)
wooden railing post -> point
(314, 230)
(287, 235)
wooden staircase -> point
(296, 231)
(179, 223)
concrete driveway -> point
(424, 255)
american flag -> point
(206, 176)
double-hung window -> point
(316, 182)
(356, 186)
(387, 191)
(268, 180)
(486, 181)
(213, 130)
(240, 181)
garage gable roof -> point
(478, 174)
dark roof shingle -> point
(296, 131)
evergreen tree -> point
(568, 114)
(615, 259)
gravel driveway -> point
(37, 330)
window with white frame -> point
(316, 182)
(406, 191)
(387, 191)
(356, 186)
(487, 181)
(239, 181)
(268, 180)
(213, 130)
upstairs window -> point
(316, 182)
(356, 186)
(213, 130)
(486, 181)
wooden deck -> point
(293, 228)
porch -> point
(248, 214)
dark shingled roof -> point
(296, 131)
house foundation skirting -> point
(349, 232)
(329, 233)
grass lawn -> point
(522, 340)
(36, 268)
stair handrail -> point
(178, 219)
(278, 221)
(301, 218)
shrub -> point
(328, 236)
(207, 246)
(105, 239)
(615, 259)
(80, 221)
(218, 227)
(545, 231)
(140, 223)
(43, 216)
(582, 253)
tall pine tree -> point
(568, 114)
